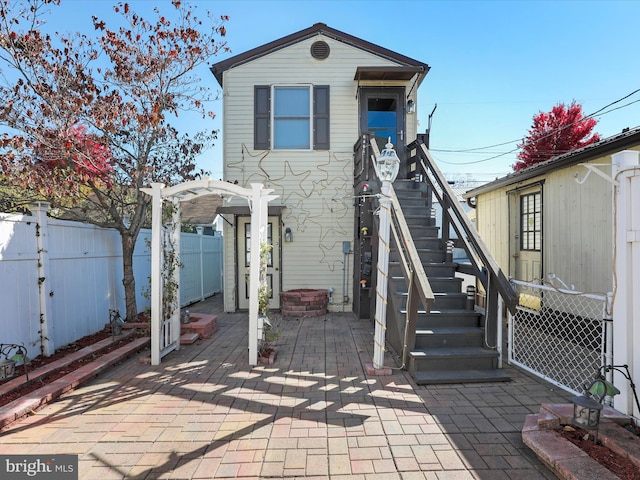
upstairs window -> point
(291, 117)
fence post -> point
(626, 279)
(200, 231)
(39, 211)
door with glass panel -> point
(243, 236)
(526, 234)
(382, 113)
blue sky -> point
(494, 64)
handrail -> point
(404, 242)
(414, 263)
(412, 268)
(468, 235)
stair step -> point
(445, 269)
(433, 243)
(427, 255)
(463, 352)
(443, 300)
(438, 284)
(435, 377)
(448, 319)
(426, 231)
(453, 358)
(189, 338)
(449, 337)
(418, 219)
(449, 330)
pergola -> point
(165, 332)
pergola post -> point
(258, 199)
(156, 270)
(175, 244)
(259, 210)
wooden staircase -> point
(449, 339)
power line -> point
(553, 132)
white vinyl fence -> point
(59, 279)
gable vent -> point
(320, 50)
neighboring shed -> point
(547, 219)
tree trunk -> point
(129, 281)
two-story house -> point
(293, 110)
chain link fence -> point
(559, 334)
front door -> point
(382, 113)
(526, 234)
(243, 249)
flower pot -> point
(267, 356)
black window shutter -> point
(262, 117)
(321, 117)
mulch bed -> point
(41, 361)
(617, 464)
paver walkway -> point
(204, 413)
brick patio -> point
(204, 413)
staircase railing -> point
(420, 164)
(419, 290)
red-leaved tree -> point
(559, 131)
(86, 120)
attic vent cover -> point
(320, 50)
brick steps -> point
(42, 372)
(40, 397)
(201, 326)
(565, 459)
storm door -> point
(382, 113)
(243, 249)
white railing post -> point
(39, 210)
(382, 277)
(626, 244)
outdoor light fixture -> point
(411, 106)
(288, 235)
(9, 363)
(587, 408)
(387, 165)
(7, 368)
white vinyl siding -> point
(291, 118)
(577, 226)
(315, 186)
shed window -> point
(291, 117)
(531, 221)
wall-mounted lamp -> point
(288, 235)
(411, 106)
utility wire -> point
(598, 112)
(553, 132)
